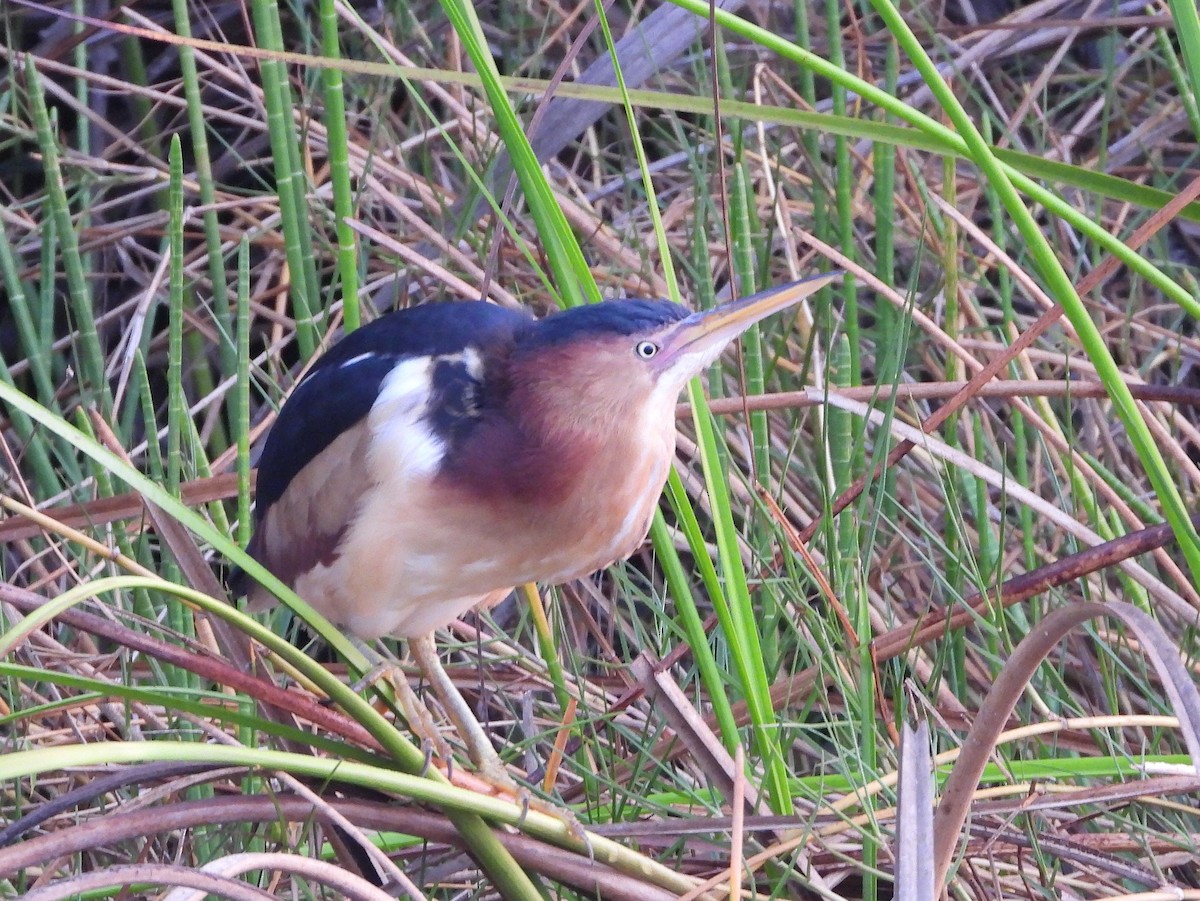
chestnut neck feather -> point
(543, 418)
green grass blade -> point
(572, 276)
(509, 878)
(290, 180)
(339, 168)
(198, 132)
(242, 394)
(1187, 29)
(80, 295)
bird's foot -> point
(565, 815)
(496, 780)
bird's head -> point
(602, 364)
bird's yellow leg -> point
(479, 746)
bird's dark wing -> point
(311, 473)
(325, 405)
(342, 386)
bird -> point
(444, 454)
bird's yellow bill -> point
(724, 323)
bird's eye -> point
(646, 349)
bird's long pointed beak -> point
(704, 334)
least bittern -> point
(444, 454)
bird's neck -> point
(587, 431)
(554, 410)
